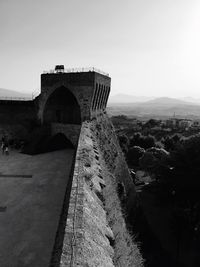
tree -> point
(149, 141)
(148, 161)
(181, 176)
(142, 141)
(134, 154)
(152, 123)
(159, 153)
(170, 142)
(177, 189)
(185, 164)
(154, 160)
(135, 139)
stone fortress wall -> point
(90, 89)
(74, 104)
(82, 95)
(17, 118)
(95, 231)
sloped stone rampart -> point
(95, 233)
(86, 240)
(113, 156)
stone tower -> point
(70, 96)
(73, 95)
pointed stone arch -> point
(61, 106)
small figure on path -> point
(3, 147)
(6, 148)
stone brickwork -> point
(91, 90)
(74, 104)
(95, 232)
(68, 98)
(100, 95)
(17, 118)
(14, 111)
(86, 240)
(113, 155)
(73, 231)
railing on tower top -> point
(90, 69)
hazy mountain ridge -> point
(191, 99)
(11, 93)
(167, 101)
(150, 106)
(158, 107)
(124, 99)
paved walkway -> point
(31, 195)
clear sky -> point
(149, 47)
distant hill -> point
(123, 98)
(166, 101)
(156, 108)
(4, 93)
(191, 99)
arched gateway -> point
(70, 97)
(62, 107)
